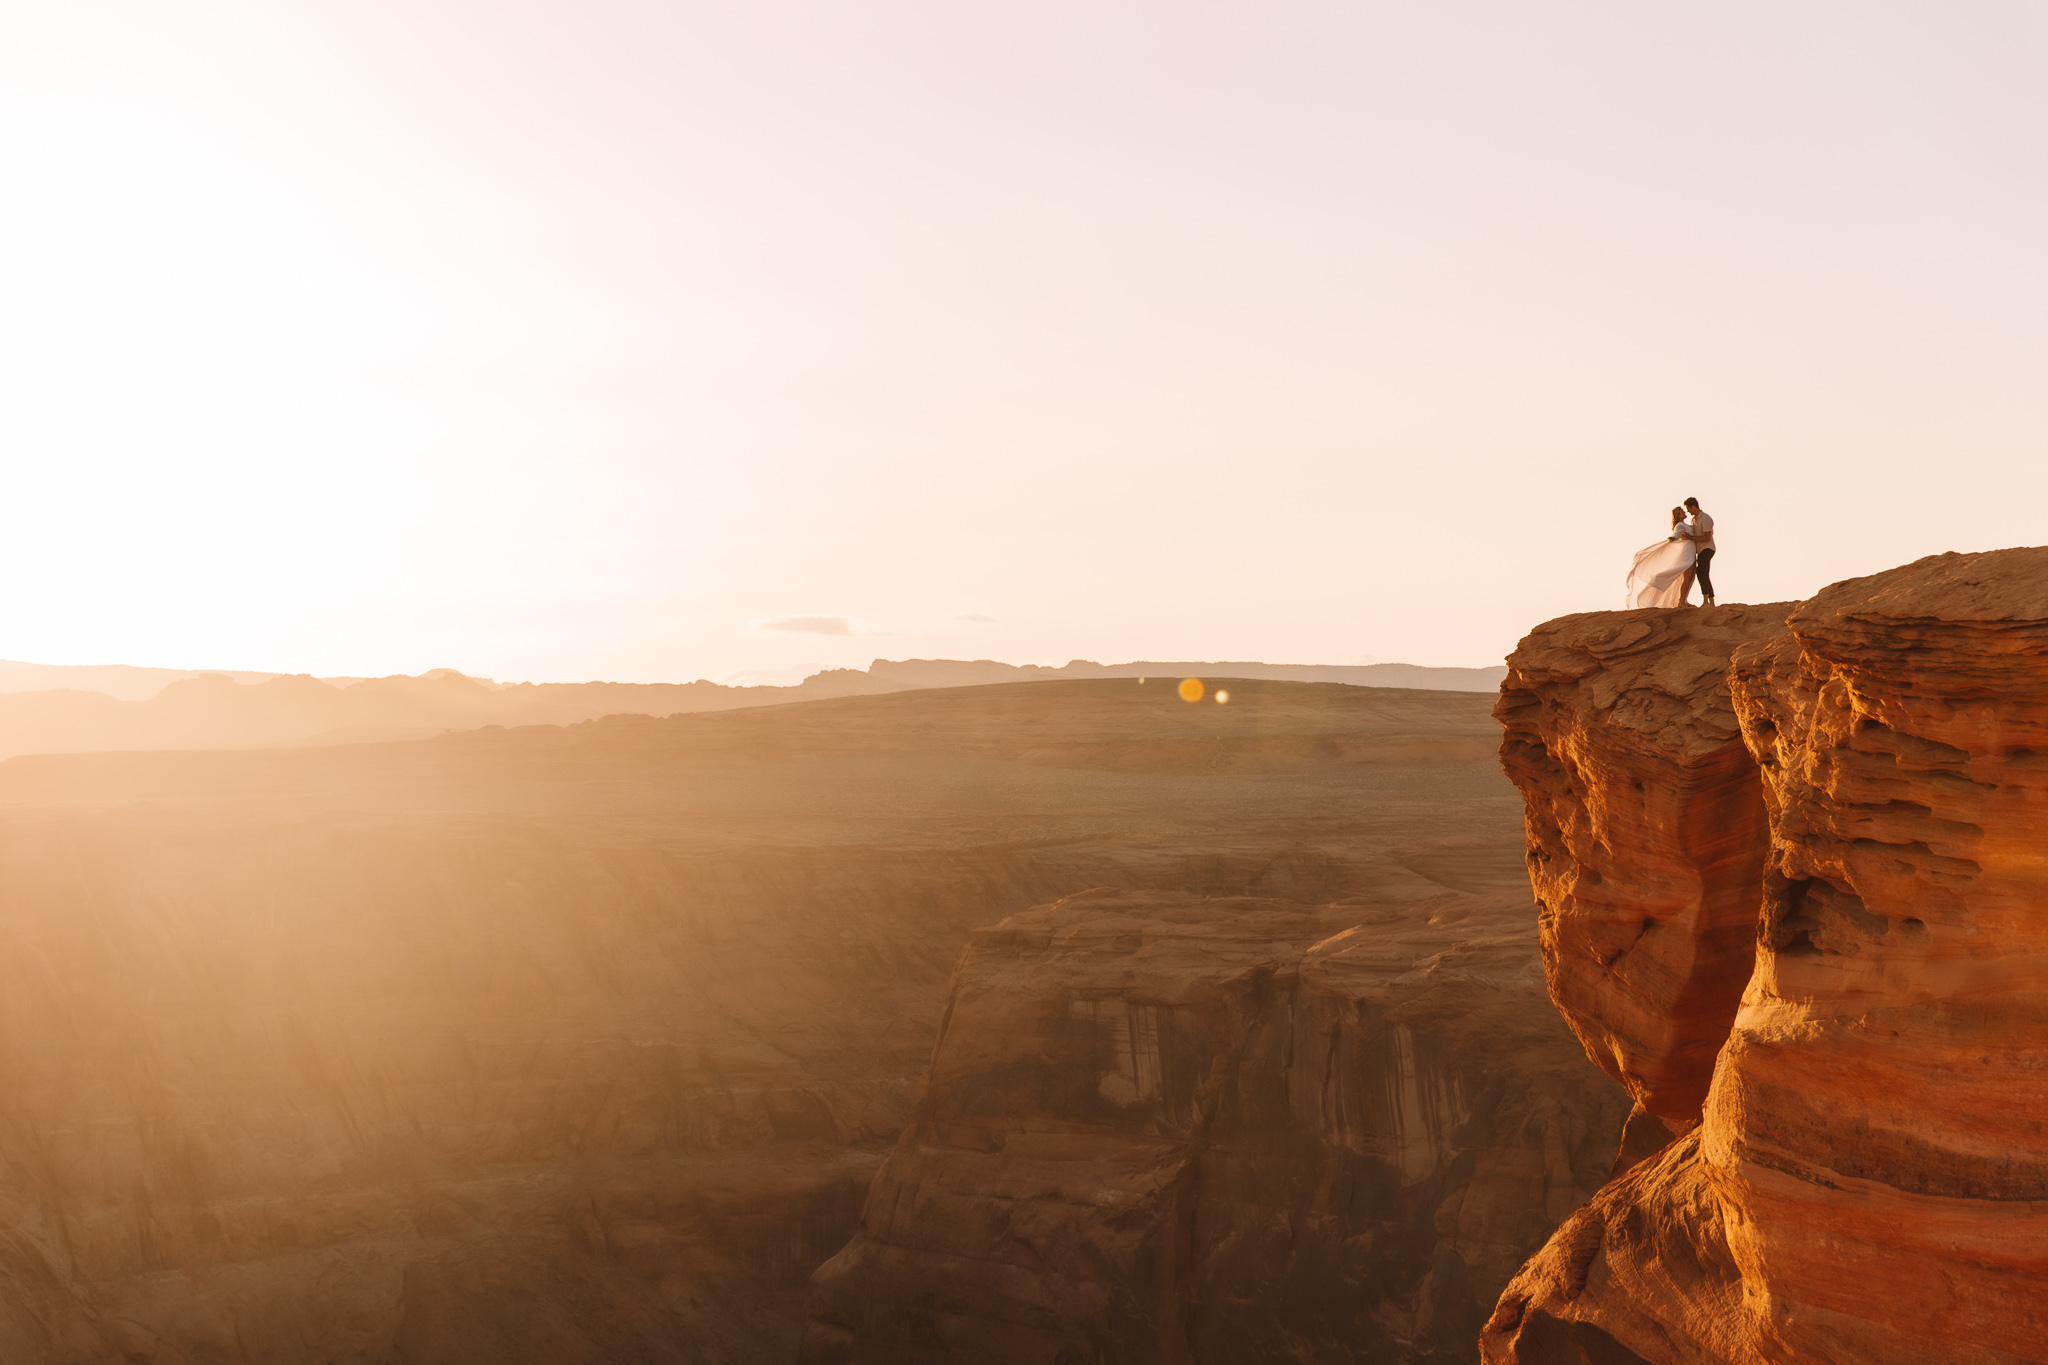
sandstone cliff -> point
(1646, 839)
(1868, 1178)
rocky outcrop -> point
(1166, 1128)
(1869, 1179)
(1646, 838)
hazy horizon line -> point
(796, 672)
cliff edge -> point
(1789, 862)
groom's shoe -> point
(1707, 602)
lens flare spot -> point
(1191, 689)
(1222, 696)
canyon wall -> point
(1646, 840)
(1867, 1178)
(1168, 1128)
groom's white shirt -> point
(1702, 529)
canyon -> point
(1069, 1021)
(1787, 863)
(1177, 1128)
(593, 1043)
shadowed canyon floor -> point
(586, 1044)
(1161, 1127)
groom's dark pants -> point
(1699, 573)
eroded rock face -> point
(1646, 837)
(1870, 1179)
(1166, 1128)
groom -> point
(1700, 528)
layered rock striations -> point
(1646, 839)
(1869, 1179)
(1168, 1128)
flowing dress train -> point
(1657, 578)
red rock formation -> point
(1162, 1128)
(1646, 837)
(1869, 1182)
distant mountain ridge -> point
(123, 682)
(910, 673)
(220, 710)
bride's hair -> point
(1677, 515)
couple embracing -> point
(1662, 575)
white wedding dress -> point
(1657, 578)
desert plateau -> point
(84, 709)
(595, 1043)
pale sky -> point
(592, 340)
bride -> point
(1662, 574)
